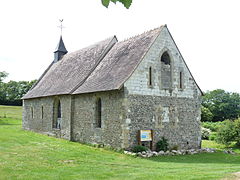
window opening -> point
(181, 80)
(42, 112)
(99, 113)
(150, 76)
(166, 71)
(57, 114)
(32, 112)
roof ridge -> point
(145, 32)
(91, 45)
(150, 45)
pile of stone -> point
(147, 154)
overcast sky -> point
(207, 33)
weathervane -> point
(61, 26)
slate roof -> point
(103, 66)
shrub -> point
(139, 148)
(213, 126)
(226, 133)
(162, 145)
(206, 114)
(212, 136)
(205, 133)
(237, 131)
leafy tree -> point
(12, 91)
(126, 3)
(3, 75)
(206, 114)
(229, 132)
(223, 105)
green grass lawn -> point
(28, 155)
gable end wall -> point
(173, 113)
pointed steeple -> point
(60, 50)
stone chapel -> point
(109, 91)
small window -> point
(99, 113)
(181, 80)
(32, 112)
(42, 112)
(150, 76)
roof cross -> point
(61, 26)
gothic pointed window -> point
(57, 114)
(166, 71)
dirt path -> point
(235, 176)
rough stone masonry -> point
(105, 93)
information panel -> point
(145, 135)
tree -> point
(12, 91)
(206, 114)
(229, 132)
(126, 3)
(3, 75)
(223, 105)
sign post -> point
(146, 136)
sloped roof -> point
(118, 64)
(103, 66)
(63, 76)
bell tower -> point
(60, 49)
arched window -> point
(150, 83)
(57, 114)
(99, 113)
(166, 71)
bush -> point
(212, 136)
(139, 148)
(162, 145)
(237, 131)
(213, 126)
(206, 114)
(226, 133)
(205, 133)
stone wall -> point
(176, 119)
(139, 80)
(170, 109)
(84, 119)
(38, 115)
